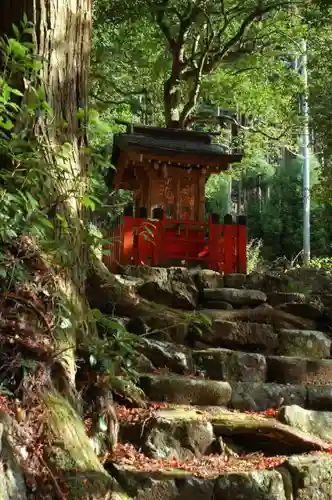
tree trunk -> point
(62, 41)
(61, 37)
(172, 102)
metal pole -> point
(306, 160)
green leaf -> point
(16, 30)
(107, 252)
(65, 323)
(102, 424)
(43, 221)
(7, 124)
(92, 360)
(16, 92)
(3, 272)
(88, 202)
(32, 200)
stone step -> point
(242, 396)
(237, 366)
(248, 396)
(178, 484)
(298, 370)
(232, 365)
(235, 296)
(300, 477)
(186, 390)
(265, 338)
(186, 432)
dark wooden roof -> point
(169, 142)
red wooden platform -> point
(160, 242)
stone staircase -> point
(245, 412)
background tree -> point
(198, 38)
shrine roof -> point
(169, 142)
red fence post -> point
(241, 245)
(214, 257)
(228, 244)
(128, 236)
(142, 238)
(158, 214)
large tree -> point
(61, 42)
(202, 36)
(56, 39)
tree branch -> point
(110, 102)
(160, 18)
(118, 89)
(255, 14)
(221, 118)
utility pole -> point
(306, 159)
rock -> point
(186, 390)
(320, 397)
(166, 354)
(313, 281)
(312, 476)
(144, 273)
(316, 423)
(266, 315)
(12, 484)
(195, 488)
(235, 280)
(206, 278)
(174, 288)
(231, 334)
(286, 369)
(306, 343)
(277, 298)
(159, 490)
(258, 485)
(326, 299)
(260, 397)
(129, 281)
(269, 282)
(225, 364)
(183, 434)
(313, 310)
(218, 304)
(265, 305)
(142, 364)
(293, 370)
(234, 296)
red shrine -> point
(166, 169)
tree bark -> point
(61, 36)
(62, 41)
(115, 297)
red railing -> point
(159, 242)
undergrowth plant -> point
(324, 263)
(254, 257)
(29, 207)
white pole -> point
(306, 160)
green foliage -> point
(279, 222)
(321, 263)
(23, 171)
(216, 193)
(113, 352)
(254, 257)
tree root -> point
(232, 423)
(110, 296)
